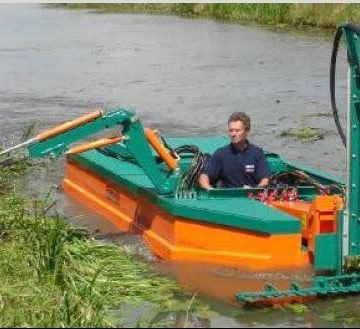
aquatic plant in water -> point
(53, 274)
(305, 133)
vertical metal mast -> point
(352, 37)
(345, 220)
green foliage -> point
(352, 264)
(297, 308)
(28, 131)
(321, 15)
(340, 313)
(10, 170)
(54, 275)
(304, 133)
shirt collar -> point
(247, 144)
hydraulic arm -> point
(56, 141)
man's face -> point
(237, 132)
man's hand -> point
(204, 182)
(264, 182)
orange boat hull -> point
(177, 238)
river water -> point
(183, 77)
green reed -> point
(319, 15)
(53, 274)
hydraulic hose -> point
(352, 61)
(335, 111)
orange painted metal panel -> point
(176, 238)
(298, 209)
(249, 247)
(89, 200)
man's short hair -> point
(240, 116)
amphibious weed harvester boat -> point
(145, 183)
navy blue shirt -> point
(234, 168)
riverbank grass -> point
(54, 275)
(281, 15)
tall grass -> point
(39, 266)
(320, 15)
(54, 275)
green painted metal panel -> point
(125, 173)
(326, 252)
(230, 207)
(233, 212)
(241, 213)
(321, 286)
(340, 232)
(353, 141)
